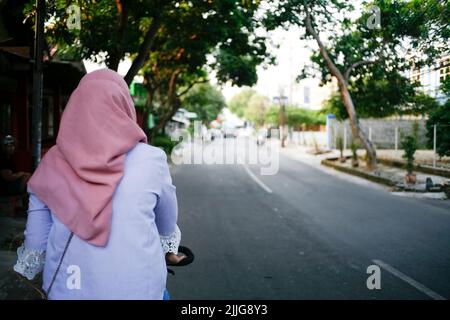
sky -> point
(290, 58)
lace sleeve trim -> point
(170, 243)
(29, 262)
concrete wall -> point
(309, 138)
(382, 132)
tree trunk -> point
(356, 128)
(346, 97)
(166, 118)
(173, 102)
(117, 54)
(147, 110)
(144, 50)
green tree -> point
(193, 32)
(256, 109)
(382, 95)
(360, 51)
(272, 116)
(205, 100)
(110, 30)
(409, 145)
(296, 117)
(131, 28)
(440, 117)
(445, 86)
(239, 103)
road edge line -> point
(409, 280)
(259, 182)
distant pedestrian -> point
(102, 203)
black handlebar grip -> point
(189, 257)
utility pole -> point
(281, 99)
(38, 83)
(291, 89)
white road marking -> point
(409, 280)
(259, 182)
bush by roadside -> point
(441, 118)
(164, 142)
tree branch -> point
(323, 51)
(345, 94)
(117, 53)
(172, 83)
(189, 87)
(356, 65)
(151, 83)
(144, 50)
(171, 94)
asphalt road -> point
(305, 234)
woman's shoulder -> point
(143, 152)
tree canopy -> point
(184, 31)
(383, 95)
(366, 57)
(240, 101)
(173, 44)
(296, 117)
(440, 117)
(205, 100)
(256, 109)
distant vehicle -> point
(244, 132)
(229, 132)
(262, 136)
(214, 134)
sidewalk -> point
(305, 155)
(11, 234)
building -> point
(308, 93)
(430, 78)
(16, 85)
(181, 120)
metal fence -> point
(388, 134)
(384, 134)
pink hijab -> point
(77, 177)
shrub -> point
(296, 117)
(340, 145)
(409, 145)
(164, 142)
(354, 146)
(441, 118)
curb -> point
(418, 195)
(370, 177)
(419, 168)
